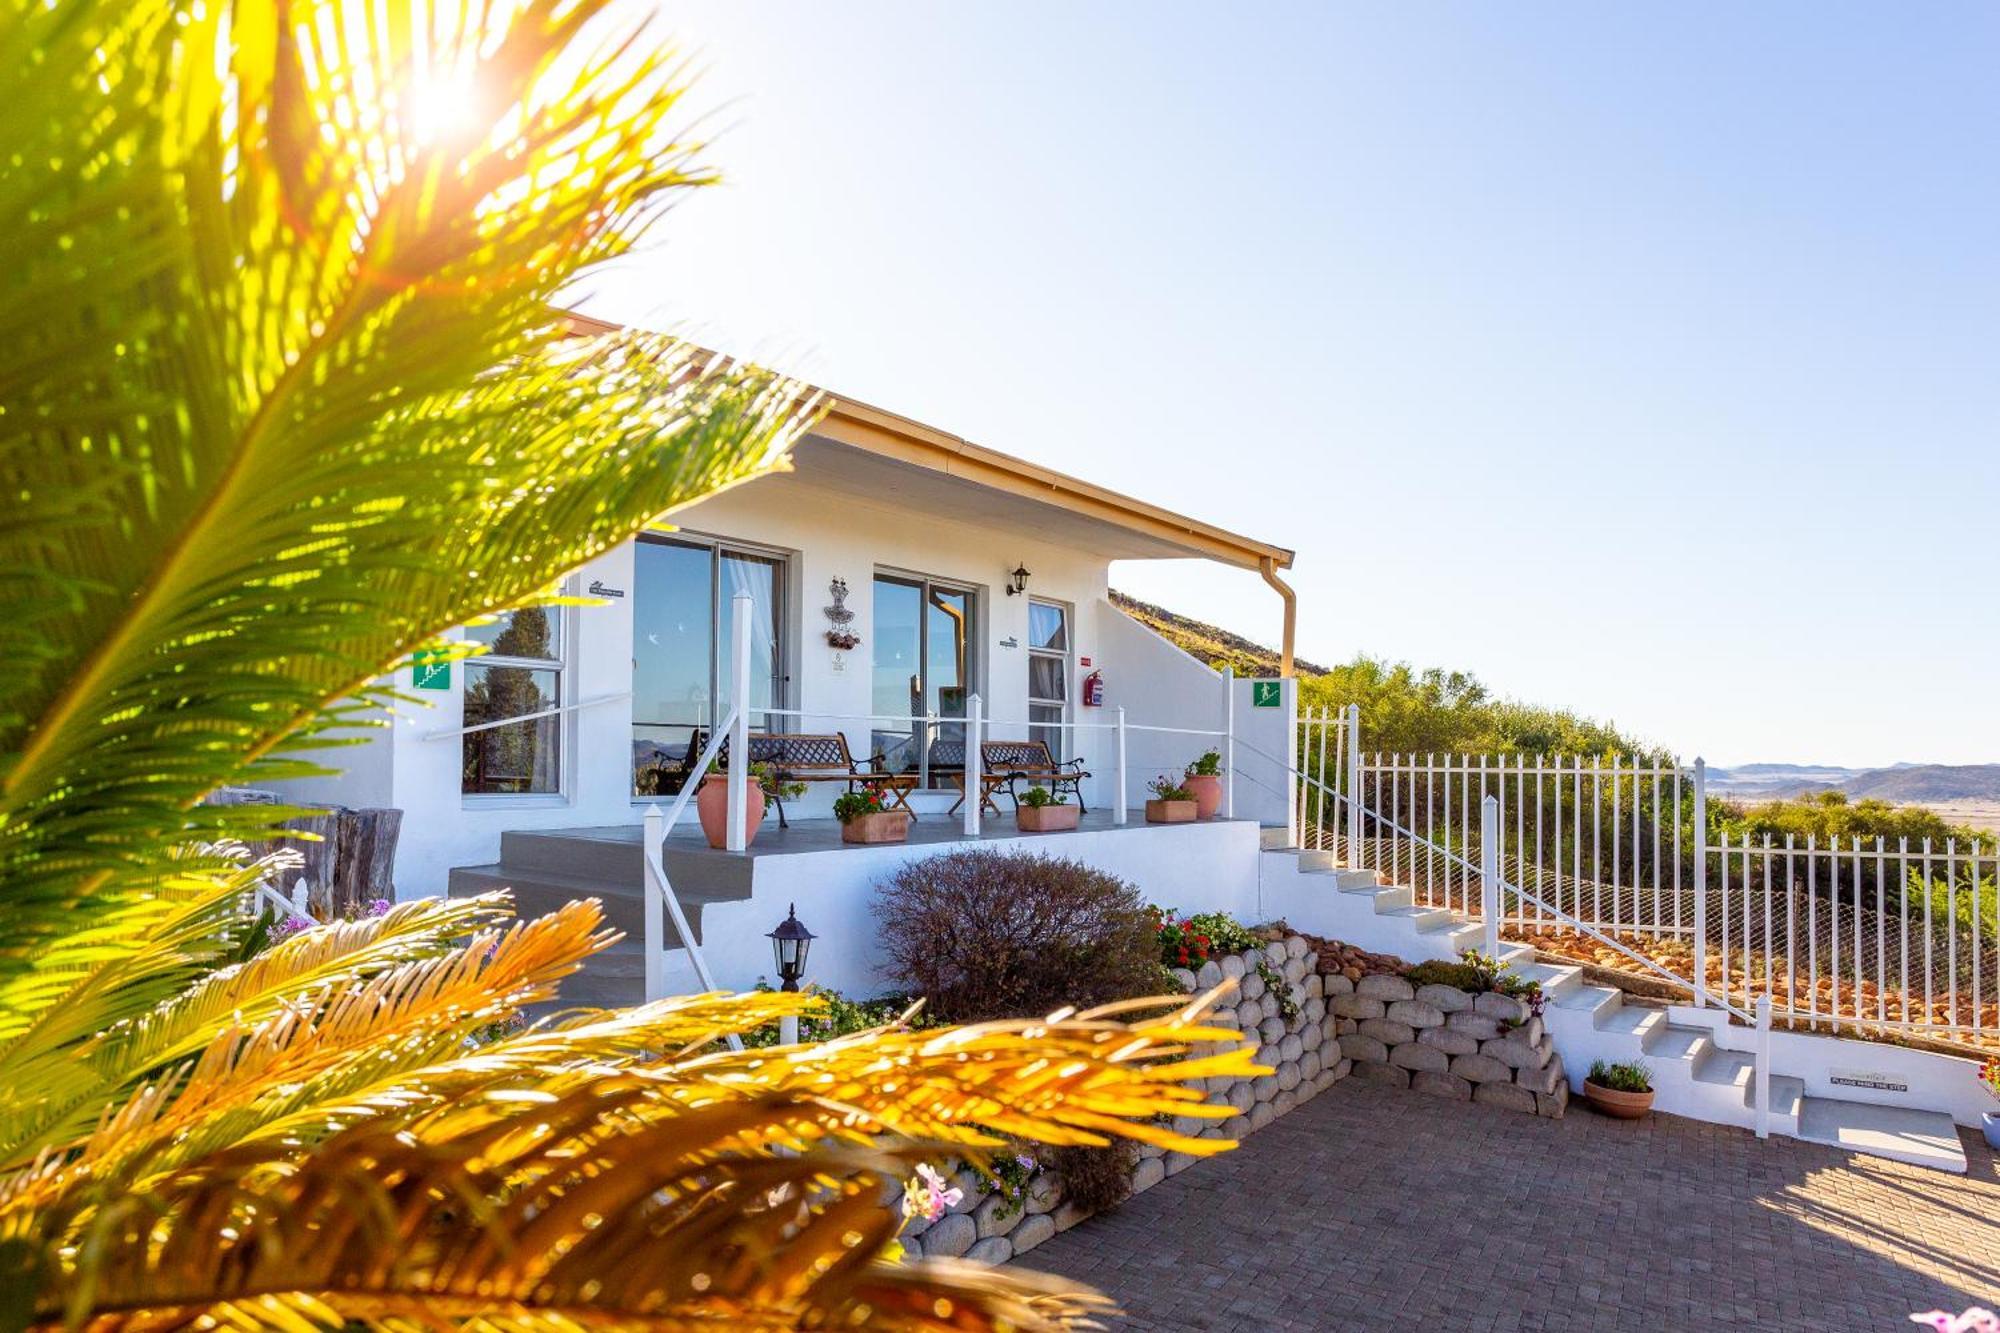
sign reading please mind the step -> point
(430, 669)
(1266, 693)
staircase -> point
(548, 868)
(1700, 1062)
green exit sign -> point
(1266, 693)
(430, 669)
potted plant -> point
(711, 802)
(863, 818)
(1042, 811)
(1989, 1074)
(1623, 1090)
(1171, 804)
(1203, 779)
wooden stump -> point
(365, 868)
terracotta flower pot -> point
(711, 803)
(1206, 788)
(881, 826)
(1171, 812)
(1044, 818)
(1618, 1105)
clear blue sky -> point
(1638, 359)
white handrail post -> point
(1763, 1066)
(1354, 786)
(1489, 872)
(655, 834)
(974, 783)
(1700, 882)
(1118, 802)
(739, 732)
(1229, 742)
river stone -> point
(1532, 1031)
(972, 1188)
(1480, 1069)
(1506, 1008)
(1210, 975)
(1177, 1162)
(1505, 1094)
(1261, 1116)
(1284, 1104)
(1313, 1010)
(1380, 1072)
(1382, 987)
(1416, 1013)
(1045, 1190)
(1233, 1129)
(1231, 965)
(1478, 1025)
(1343, 1026)
(1415, 1055)
(1145, 1176)
(1183, 978)
(1288, 1078)
(1249, 1013)
(1450, 1040)
(1297, 947)
(1544, 1080)
(997, 1216)
(912, 1251)
(1335, 984)
(1240, 1096)
(1188, 1125)
(1388, 1031)
(1254, 987)
(1448, 999)
(1034, 1230)
(950, 1236)
(1315, 986)
(1292, 1047)
(1268, 1003)
(1068, 1215)
(1310, 1063)
(1252, 957)
(1359, 1047)
(1358, 1006)
(1440, 1085)
(1264, 1087)
(1515, 1054)
(1552, 1105)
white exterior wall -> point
(826, 535)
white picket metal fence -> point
(1618, 851)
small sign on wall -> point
(1267, 693)
(1862, 1078)
(430, 669)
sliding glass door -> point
(683, 622)
(924, 665)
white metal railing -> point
(1850, 937)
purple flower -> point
(379, 907)
(1975, 1320)
(291, 926)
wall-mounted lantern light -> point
(789, 943)
(1017, 582)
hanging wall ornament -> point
(840, 620)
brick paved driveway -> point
(1369, 1208)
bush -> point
(1037, 797)
(838, 1016)
(1477, 973)
(1094, 1179)
(1190, 941)
(985, 934)
(1625, 1076)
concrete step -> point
(1671, 1041)
(1388, 900)
(1422, 918)
(1597, 1001)
(1457, 934)
(1274, 837)
(618, 860)
(1315, 860)
(1631, 1020)
(538, 892)
(1786, 1094)
(1924, 1138)
(1556, 979)
(613, 979)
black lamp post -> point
(1017, 582)
(789, 943)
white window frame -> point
(1067, 659)
(975, 664)
(563, 665)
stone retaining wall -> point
(1303, 1053)
(1484, 1047)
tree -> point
(282, 398)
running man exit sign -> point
(1266, 693)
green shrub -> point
(1623, 1076)
(1208, 766)
(1037, 797)
(987, 934)
(838, 1016)
(1190, 941)
(1094, 1179)
(1165, 788)
(850, 806)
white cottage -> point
(970, 591)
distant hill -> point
(1212, 644)
(1900, 783)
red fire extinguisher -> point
(1093, 690)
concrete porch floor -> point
(1369, 1208)
(823, 835)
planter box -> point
(1045, 818)
(882, 826)
(1618, 1105)
(1171, 812)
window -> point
(924, 635)
(1048, 673)
(521, 675)
(683, 623)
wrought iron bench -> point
(813, 757)
(1007, 764)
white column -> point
(739, 731)
(1118, 798)
(972, 765)
(1229, 742)
(1489, 872)
(1354, 857)
(1763, 1066)
(653, 907)
(1700, 882)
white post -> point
(739, 733)
(788, 1030)
(1354, 786)
(973, 777)
(1763, 1066)
(1118, 802)
(651, 911)
(1700, 882)
(1229, 742)
(1489, 872)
